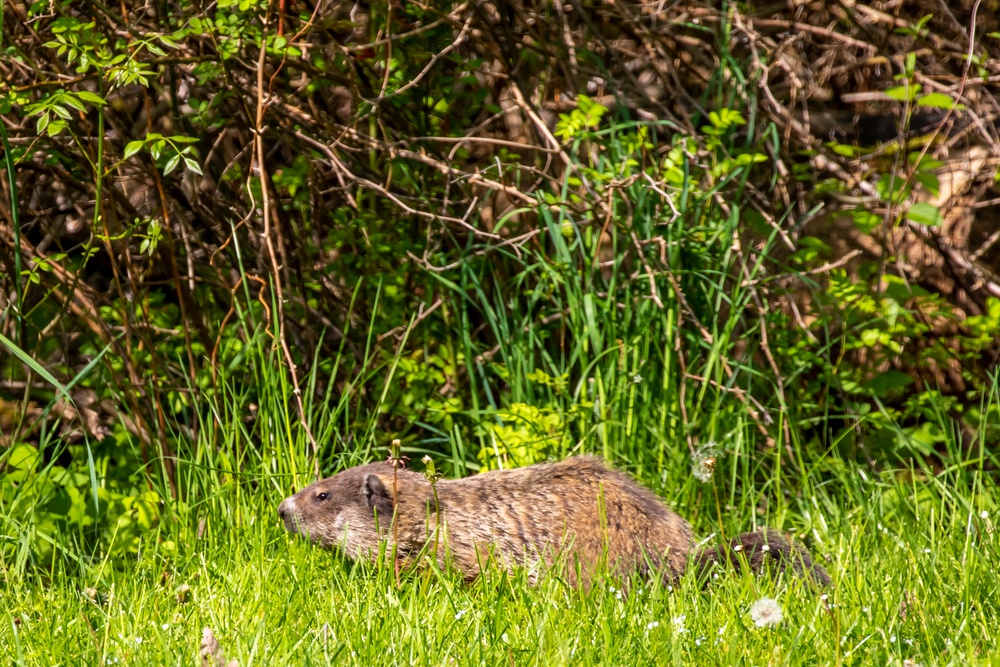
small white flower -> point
(503, 638)
(766, 612)
(738, 547)
(984, 515)
(765, 548)
(138, 640)
(460, 613)
(652, 624)
(679, 624)
(864, 609)
(636, 378)
(927, 551)
(165, 626)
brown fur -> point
(524, 517)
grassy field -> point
(913, 556)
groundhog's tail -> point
(760, 548)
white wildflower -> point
(652, 624)
(766, 612)
(984, 515)
(679, 624)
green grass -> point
(914, 566)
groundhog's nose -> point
(283, 510)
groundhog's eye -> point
(322, 496)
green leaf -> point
(889, 381)
(93, 98)
(171, 164)
(939, 101)
(865, 220)
(62, 112)
(904, 93)
(71, 101)
(193, 166)
(132, 148)
(926, 214)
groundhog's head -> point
(353, 509)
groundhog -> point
(577, 511)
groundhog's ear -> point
(376, 495)
(373, 487)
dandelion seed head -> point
(703, 461)
(766, 612)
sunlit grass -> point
(915, 578)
